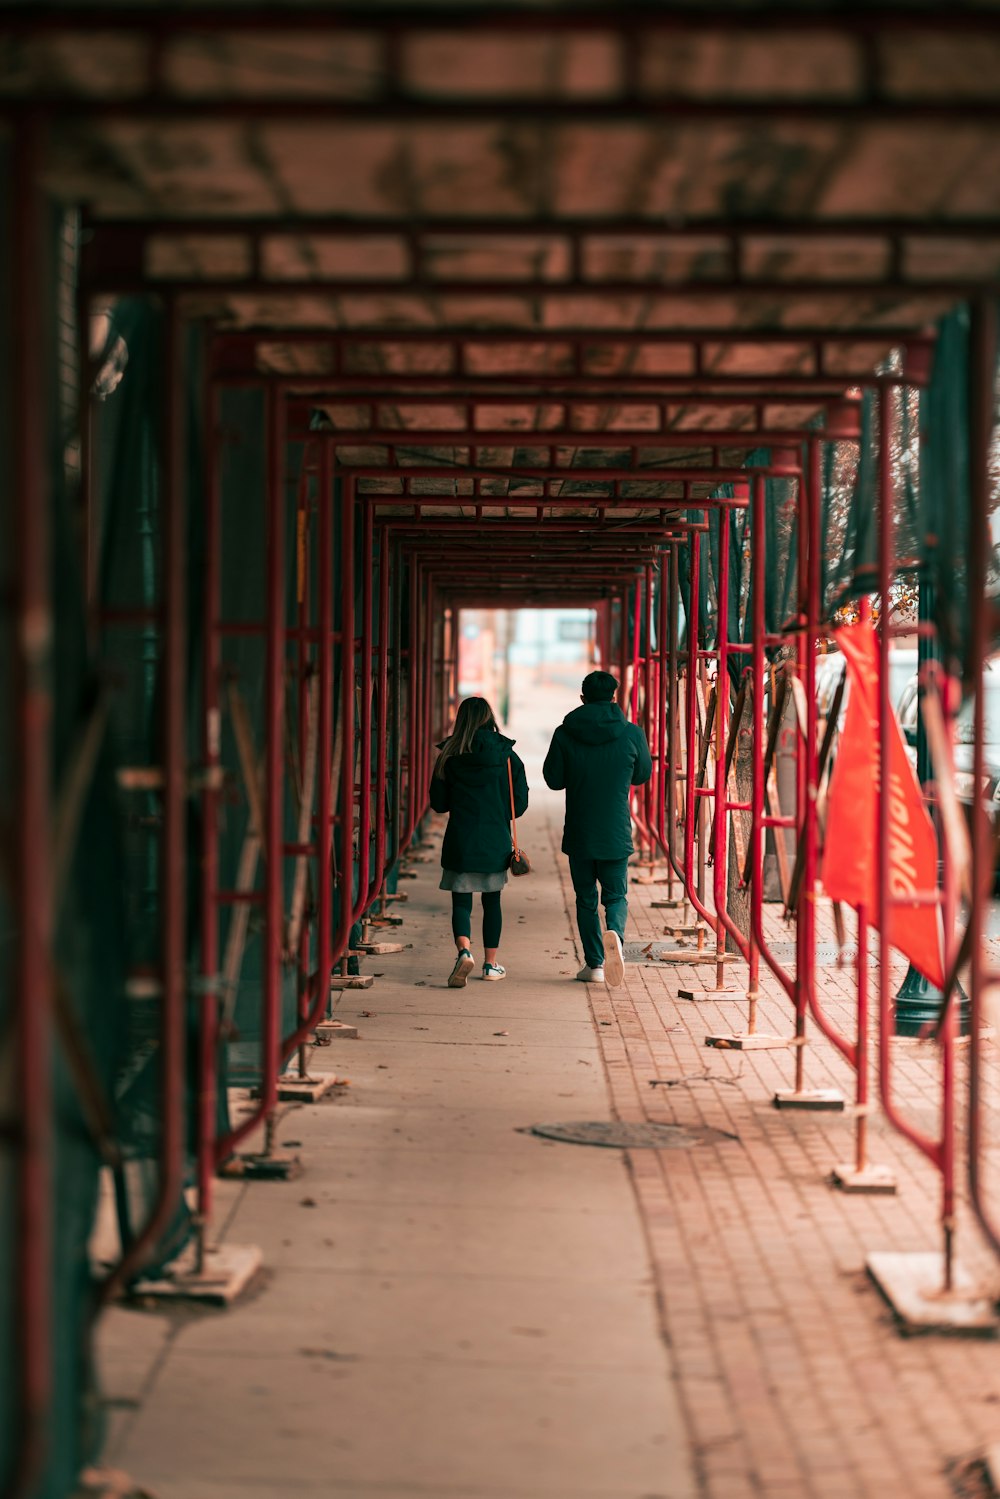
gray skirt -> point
(472, 883)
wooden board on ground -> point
(913, 1285)
(335, 1030)
(743, 1042)
(869, 1181)
(226, 1273)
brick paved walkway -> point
(793, 1375)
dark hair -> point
(599, 687)
(473, 714)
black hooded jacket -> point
(597, 756)
(475, 791)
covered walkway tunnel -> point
(323, 324)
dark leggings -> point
(461, 916)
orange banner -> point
(850, 865)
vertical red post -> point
(805, 759)
(861, 1058)
(211, 754)
(810, 584)
(365, 679)
(758, 798)
(650, 719)
(32, 893)
(412, 701)
(720, 849)
(623, 697)
(692, 812)
(942, 1151)
(274, 718)
(636, 645)
(664, 702)
(347, 677)
(381, 729)
(324, 831)
(673, 722)
(982, 364)
(305, 665)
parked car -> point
(830, 669)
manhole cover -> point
(631, 1136)
(826, 954)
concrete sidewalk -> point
(450, 1306)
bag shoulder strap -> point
(513, 818)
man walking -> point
(597, 756)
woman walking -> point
(471, 783)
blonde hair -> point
(473, 714)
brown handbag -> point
(519, 862)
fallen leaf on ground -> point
(307, 1202)
(501, 1033)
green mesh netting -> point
(90, 1023)
(930, 495)
(127, 466)
(944, 484)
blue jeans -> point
(613, 877)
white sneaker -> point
(591, 975)
(494, 972)
(464, 965)
(614, 959)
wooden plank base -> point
(304, 1089)
(226, 1273)
(913, 1285)
(336, 1030)
(817, 1100)
(871, 1180)
(744, 1042)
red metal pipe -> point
(130, 282)
(348, 654)
(692, 811)
(554, 471)
(939, 1152)
(636, 617)
(381, 731)
(982, 365)
(811, 531)
(365, 677)
(758, 821)
(274, 710)
(211, 750)
(412, 706)
(720, 851)
(306, 665)
(33, 886)
(414, 439)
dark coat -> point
(474, 790)
(597, 756)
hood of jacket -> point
(595, 723)
(488, 750)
